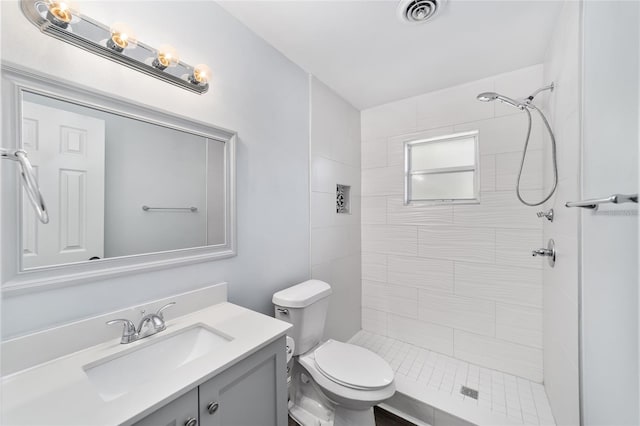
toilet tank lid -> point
(302, 295)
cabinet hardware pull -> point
(191, 422)
(212, 407)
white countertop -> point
(59, 392)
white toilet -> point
(332, 383)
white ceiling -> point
(363, 51)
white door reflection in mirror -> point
(100, 168)
(67, 150)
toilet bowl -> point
(331, 383)
(349, 375)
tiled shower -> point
(460, 280)
(456, 279)
(454, 282)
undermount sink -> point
(116, 375)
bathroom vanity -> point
(222, 365)
(244, 394)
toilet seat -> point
(352, 366)
(343, 394)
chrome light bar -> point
(57, 19)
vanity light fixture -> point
(62, 20)
(167, 56)
(122, 37)
(201, 74)
(60, 12)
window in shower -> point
(442, 170)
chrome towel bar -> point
(191, 209)
(595, 202)
(29, 181)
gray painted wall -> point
(255, 91)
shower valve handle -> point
(549, 252)
(546, 214)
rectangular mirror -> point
(124, 184)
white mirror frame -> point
(15, 81)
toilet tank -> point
(304, 306)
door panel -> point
(175, 413)
(67, 151)
(251, 393)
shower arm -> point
(530, 98)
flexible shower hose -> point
(524, 156)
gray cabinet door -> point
(176, 413)
(251, 393)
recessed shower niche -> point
(343, 202)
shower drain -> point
(472, 393)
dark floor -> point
(383, 418)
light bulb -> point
(201, 74)
(167, 56)
(122, 37)
(60, 12)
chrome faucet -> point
(129, 333)
(150, 324)
(549, 252)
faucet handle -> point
(541, 252)
(168, 305)
(128, 331)
(129, 327)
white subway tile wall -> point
(504, 398)
(560, 336)
(459, 280)
(335, 238)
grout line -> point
(495, 320)
(535, 402)
(495, 246)
(454, 276)
(519, 401)
(491, 390)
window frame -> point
(408, 172)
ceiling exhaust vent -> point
(418, 11)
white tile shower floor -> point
(435, 379)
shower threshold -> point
(430, 389)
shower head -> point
(487, 96)
(492, 96)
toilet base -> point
(309, 406)
(346, 417)
(342, 417)
(305, 418)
